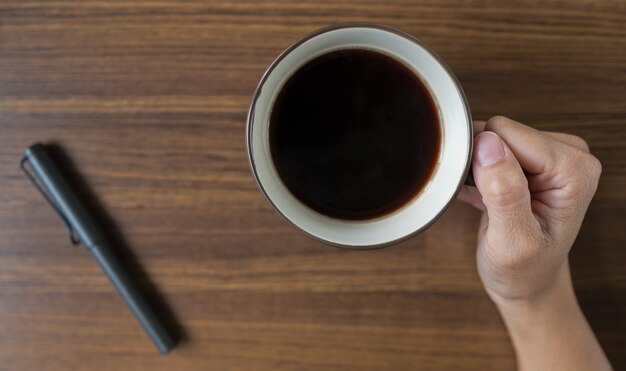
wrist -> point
(533, 321)
(549, 331)
(556, 299)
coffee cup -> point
(452, 156)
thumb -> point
(502, 185)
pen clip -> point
(73, 237)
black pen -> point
(65, 201)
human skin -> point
(534, 188)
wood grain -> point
(149, 101)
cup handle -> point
(469, 179)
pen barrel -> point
(133, 298)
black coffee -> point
(354, 134)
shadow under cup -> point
(451, 165)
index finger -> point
(536, 152)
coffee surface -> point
(354, 134)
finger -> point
(540, 183)
(502, 184)
(470, 195)
(569, 139)
(536, 152)
(479, 126)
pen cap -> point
(62, 195)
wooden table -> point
(149, 101)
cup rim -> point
(370, 25)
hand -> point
(530, 221)
(534, 189)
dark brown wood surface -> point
(149, 100)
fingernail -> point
(489, 149)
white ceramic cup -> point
(454, 156)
